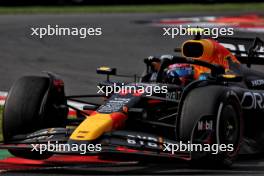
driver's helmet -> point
(180, 74)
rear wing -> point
(247, 50)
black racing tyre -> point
(217, 103)
(229, 130)
(22, 112)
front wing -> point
(121, 143)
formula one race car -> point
(215, 114)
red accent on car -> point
(118, 120)
(58, 84)
(124, 149)
(153, 101)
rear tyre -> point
(29, 107)
(228, 131)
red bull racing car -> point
(206, 99)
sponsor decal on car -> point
(259, 82)
(205, 125)
(143, 140)
(113, 105)
(252, 100)
(176, 95)
(243, 48)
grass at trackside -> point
(3, 153)
(133, 8)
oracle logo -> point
(253, 100)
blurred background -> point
(112, 2)
(132, 30)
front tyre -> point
(33, 103)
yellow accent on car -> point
(93, 127)
(229, 76)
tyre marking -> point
(218, 122)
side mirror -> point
(106, 70)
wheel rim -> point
(229, 129)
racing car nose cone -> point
(95, 125)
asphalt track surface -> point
(123, 45)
